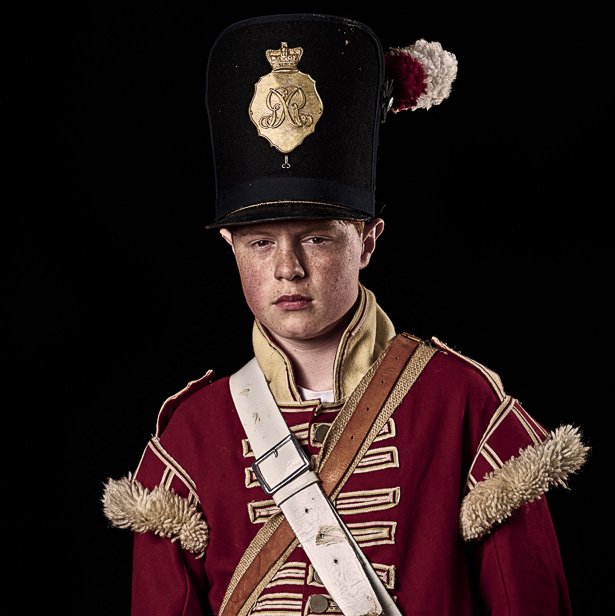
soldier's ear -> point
(371, 233)
(228, 238)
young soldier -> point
(346, 469)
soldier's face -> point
(301, 278)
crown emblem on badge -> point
(286, 106)
(284, 59)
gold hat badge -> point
(286, 106)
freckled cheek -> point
(340, 279)
(253, 286)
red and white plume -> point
(421, 75)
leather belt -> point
(283, 470)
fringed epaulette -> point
(129, 504)
(516, 462)
(522, 479)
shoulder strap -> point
(284, 472)
(357, 424)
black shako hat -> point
(295, 104)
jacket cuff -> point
(520, 480)
(129, 504)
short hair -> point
(359, 225)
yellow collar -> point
(366, 336)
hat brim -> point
(281, 211)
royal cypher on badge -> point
(286, 106)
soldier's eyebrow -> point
(312, 227)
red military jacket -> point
(447, 503)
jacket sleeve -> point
(166, 580)
(505, 519)
(518, 567)
(168, 577)
(159, 503)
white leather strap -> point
(283, 472)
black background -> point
(496, 242)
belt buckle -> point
(304, 461)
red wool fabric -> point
(407, 513)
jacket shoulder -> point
(171, 404)
(480, 371)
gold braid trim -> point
(256, 545)
(129, 504)
(521, 480)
